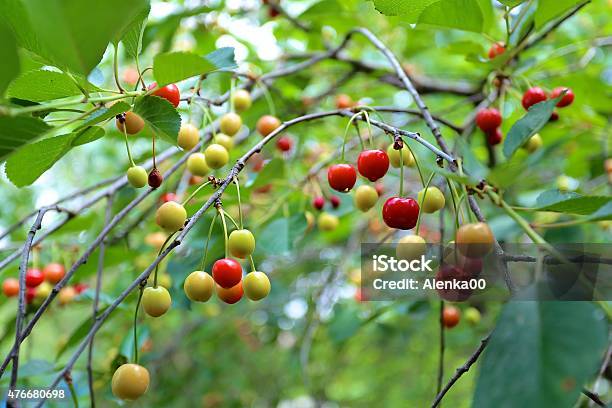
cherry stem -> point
(210, 120)
(210, 230)
(233, 221)
(116, 69)
(452, 190)
(253, 269)
(196, 91)
(268, 97)
(367, 118)
(222, 213)
(127, 145)
(153, 142)
(239, 201)
(161, 249)
(231, 95)
(418, 224)
(401, 188)
(197, 190)
(416, 162)
(346, 130)
(141, 290)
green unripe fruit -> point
(137, 176)
(230, 123)
(196, 164)
(225, 141)
(156, 301)
(327, 222)
(171, 216)
(394, 156)
(533, 144)
(216, 156)
(411, 247)
(188, 136)
(241, 243)
(365, 198)
(472, 315)
(242, 100)
(433, 201)
(256, 285)
(199, 286)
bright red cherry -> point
(34, 277)
(30, 295)
(318, 202)
(168, 197)
(494, 137)
(373, 164)
(401, 213)
(554, 116)
(80, 288)
(335, 201)
(488, 119)
(532, 96)
(284, 144)
(567, 99)
(227, 273)
(341, 177)
(496, 49)
(169, 92)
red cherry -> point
(453, 273)
(373, 164)
(30, 295)
(401, 213)
(169, 92)
(227, 273)
(496, 49)
(168, 197)
(80, 288)
(567, 99)
(318, 203)
(532, 96)
(341, 177)
(335, 201)
(554, 116)
(34, 277)
(284, 144)
(494, 137)
(488, 119)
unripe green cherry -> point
(256, 285)
(137, 176)
(216, 156)
(225, 141)
(188, 136)
(327, 222)
(411, 247)
(156, 301)
(242, 100)
(472, 315)
(230, 123)
(241, 243)
(199, 286)
(171, 216)
(365, 198)
(394, 156)
(196, 164)
(130, 382)
(533, 144)
(434, 200)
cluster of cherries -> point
(39, 285)
(490, 119)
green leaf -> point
(511, 3)
(42, 85)
(345, 323)
(460, 14)
(278, 236)
(550, 9)
(87, 135)
(127, 345)
(528, 125)
(103, 114)
(72, 34)
(604, 213)
(31, 161)
(541, 354)
(570, 203)
(132, 36)
(173, 67)
(160, 115)
(409, 10)
(17, 131)
(9, 57)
